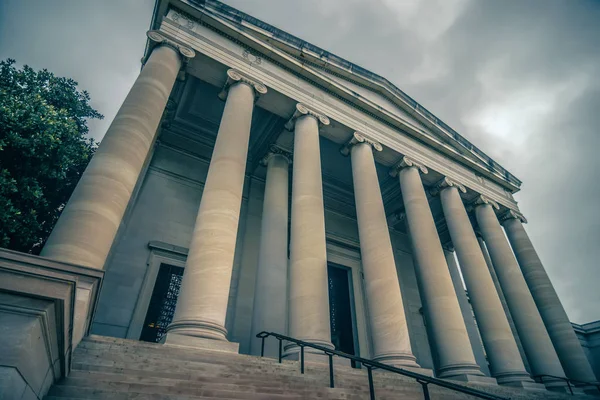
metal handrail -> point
(570, 382)
(424, 380)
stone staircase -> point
(119, 369)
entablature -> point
(221, 48)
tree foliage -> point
(44, 149)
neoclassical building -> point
(252, 181)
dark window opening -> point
(162, 303)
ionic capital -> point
(445, 183)
(511, 214)
(303, 110)
(235, 76)
(161, 39)
(357, 138)
(275, 150)
(406, 162)
(483, 200)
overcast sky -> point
(520, 79)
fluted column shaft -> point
(202, 302)
(502, 351)
(88, 225)
(309, 293)
(389, 330)
(270, 294)
(441, 307)
(532, 332)
(569, 350)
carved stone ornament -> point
(275, 150)
(161, 38)
(360, 138)
(251, 57)
(406, 162)
(184, 20)
(481, 199)
(511, 214)
(446, 183)
(302, 110)
(234, 76)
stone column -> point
(441, 309)
(270, 294)
(503, 354)
(88, 225)
(202, 302)
(389, 330)
(532, 332)
(568, 347)
(309, 293)
(511, 323)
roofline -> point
(348, 68)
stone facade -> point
(255, 162)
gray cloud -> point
(519, 79)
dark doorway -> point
(162, 303)
(340, 308)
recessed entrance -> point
(341, 310)
(162, 303)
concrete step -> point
(79, 378)
(121, 369)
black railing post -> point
(262, 347)
(280, 349)
(371, 387)
(570, 388)
(301, 359)
(331, 385)
(425, 389)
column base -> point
(291, 351)
(398, 360)
(450, 371)
(198, 328)
(515, 379)
(526, 385)
(177, 339)
(480, 379)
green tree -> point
(44, 149)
